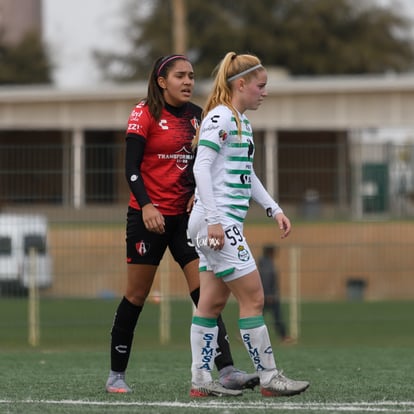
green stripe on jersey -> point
(209, 144)
(233, 185)
(237, 207)
(244, 133)
(240, 219)
(245, 172)
(238, 144)
(238, 197)
(243, 159)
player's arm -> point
(261, 196)
(202, 174)
(135, 145)
(153, 219)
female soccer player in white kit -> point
(225, 183)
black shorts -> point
(146, 247)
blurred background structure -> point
(335, 147)
(17, 21)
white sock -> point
(256, 339)
(203, 349)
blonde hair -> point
(232, 67)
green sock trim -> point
(252, 322)
(206, 322)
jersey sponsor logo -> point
(134, 127)
(163, 124)
(214, 119)
(142, 247)
(209, 128)
(135, 115)
(183, 157)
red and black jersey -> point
(167, 162)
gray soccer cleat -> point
(213, 389)
(116, 384)
(234, 379)
(280, 386)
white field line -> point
(369, 407)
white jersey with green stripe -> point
(232, 168)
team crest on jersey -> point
(194, 122)
(247, 125)
(142, 247)
(184, 156)
(243, 254)
(222, 135)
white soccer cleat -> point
(213, 389)
(280, 386)
(116, 384)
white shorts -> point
(233, 261)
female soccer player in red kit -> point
(158, 168)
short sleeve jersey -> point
(232, 169)
(167, 164)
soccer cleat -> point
(280, 386)
(213, 389)
(116, 384)
(235, 379)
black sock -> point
(122, 334)
(223, 357)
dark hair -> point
(155, 98)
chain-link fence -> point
(351, 205)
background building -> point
(347, 188)
(19, 17)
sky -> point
(73, 29)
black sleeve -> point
(135, 145)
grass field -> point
(359, 357)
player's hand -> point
(153, 219)
(215, 237)
(190, 204)
(284, 224)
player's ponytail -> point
(232, 67)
